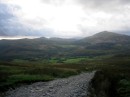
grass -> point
(13, 73)
(124, 88)
(74, 60)
(26, 77)
(25, 71)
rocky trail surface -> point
(74, 86)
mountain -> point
(103, 43)
(106, 41)
(106, 37)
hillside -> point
(103, 43)
(106, 37)
(26, 61)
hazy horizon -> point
(34, 37)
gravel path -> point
(75, 86)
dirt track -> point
(75, 86)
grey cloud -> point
(54, 2)
(104, 5)
(125, 1)
(117, 9)
(119, 22)
(103, 2)
(11, 26)
(5, 17)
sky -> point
(63, 18)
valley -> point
(25, 61)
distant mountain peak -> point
(107, 34)
(106, 37)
